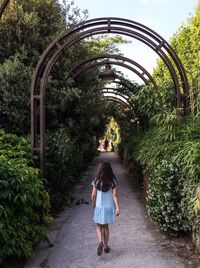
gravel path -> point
(133, 241)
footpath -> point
(134, 241)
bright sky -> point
(163, 16)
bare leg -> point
(99, 232)
(102, 235)
(106, 235)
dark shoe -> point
(107, 250)
(100, 249)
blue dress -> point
(104, 212)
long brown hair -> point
(105, 178)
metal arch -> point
(122, 103)
(126, 28)
(3, 7)
(78, 73)
(89, 66)
(75, 69)
(89, 33)
(121, 83)
(82, 31)
(118, 89)
(125, 103)
(113, 91)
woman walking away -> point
(105, 201)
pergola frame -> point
(113, 92)
(122, 85)
(3, 7)
(119, 60)
(85, 30)
(117, 100)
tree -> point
(14, 97)
(186, 44)
(41, 21)
(33, 25)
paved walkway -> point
(133, 242)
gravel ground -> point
(133, 240)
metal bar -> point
(109, 23)
(160, 45)
(3, 7)
(36, 97)
(58, 44)
(37, 149)
(32, 122)
(42, 134)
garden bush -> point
(65, 162)
(24, 203)
(164, 198)
(169, 150)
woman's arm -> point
(93, 196)
(116, 201)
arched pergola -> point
(80, 68)
(85, 30)
(117, 100)
(112, 92)
(119, 60)
(121, 84)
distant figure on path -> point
(106, 143)
(105, 201)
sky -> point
(162, 16)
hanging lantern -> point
(108, 74)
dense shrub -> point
(164, 198)
(24, 203)
(170, 151)
(14, 95)
(65, 162)
(127, 153)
